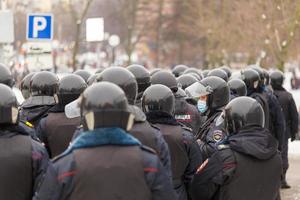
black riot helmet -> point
(241, 112)
(99, 70)
(260, 73)
(84, 74)
(227, 70)
(165, 78)
(70, 87)
(6, 76)
(199, 78)
(123, 78)
(186, 80)
(251, 79)
(158, 98)
(104, 105)
(154, 71)
(8, 106)
(142, 76)
(218, 73)
(205, 73)
(25, 85)
(92, 79)
(44, 84)
(277, 78)
(193, 70)
(237, 87)
(266, 77)
(219, 96)
(179, 69)
(180, 94)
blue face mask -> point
(202, 106)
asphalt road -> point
(293, 178)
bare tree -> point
(78, 10)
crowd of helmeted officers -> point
(125, 133)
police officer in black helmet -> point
(186, 80)
(149, 135)
(252, 81)
(178, 70)
(24, 161)
(84, 74)
(25, 85)
(291, 117)
(56, 130)
(43, 89)
(142, 77)
(247, 165)
(237, 88)
(219, 73)
(275, 118)
(158, 103)
(6, 78)
(186, 113)
(105, 162)
(211, 95)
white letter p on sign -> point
(39, 24)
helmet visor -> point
(197, 90)
(72, 110)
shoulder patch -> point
(218, 135)
(148, 149)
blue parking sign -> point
(39, 27)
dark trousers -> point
(284, 156)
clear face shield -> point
(197, 94)
(72, 110)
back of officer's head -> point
(227, 70)
(44, 84)
(186, 80)
(69, 89)
(142, 76)
(104, 105)
(277, 78)
(218, 73)
(165, 78)
(123, 78)
(178, 70)
(243, 112)
(192, 70)
(158, 98)
(6, 76)
(8, 106)
(237, 87)
(84, 74)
